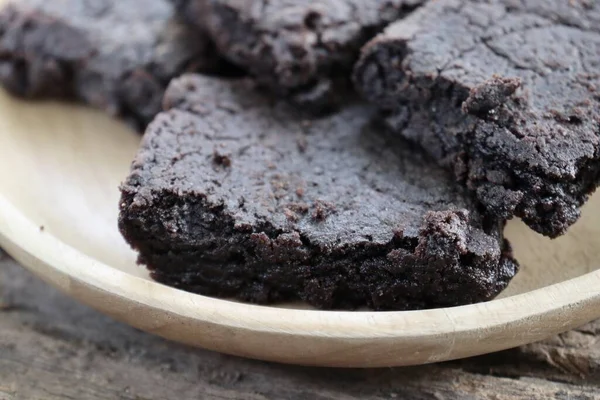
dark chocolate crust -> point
(302, 50)
(118, 55)
(504, 92)
(234, 196)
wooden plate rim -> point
(495, 325)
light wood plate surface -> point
(60, 170)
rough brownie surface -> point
(118, 55)
(231, 195)
(300, 49)
(505, 92)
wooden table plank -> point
(51, 347)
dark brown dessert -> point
(302, 50)
(505, 93)
(233, 195)
(118, 55)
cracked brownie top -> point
(504, 92)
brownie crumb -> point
(291, 215)
(300, 208)
(490, 95)
(221, 158)
(302, 144)
(322, 209)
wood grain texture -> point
(58, 217)
(52, 347)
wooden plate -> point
(61, 167)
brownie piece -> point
(302, 50)
(505, 93)
(234, 196)
(118, 55)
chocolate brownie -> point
(506, 93)
(118, 55)
(303, 50)
(233, 195)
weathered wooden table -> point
(51, 347)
